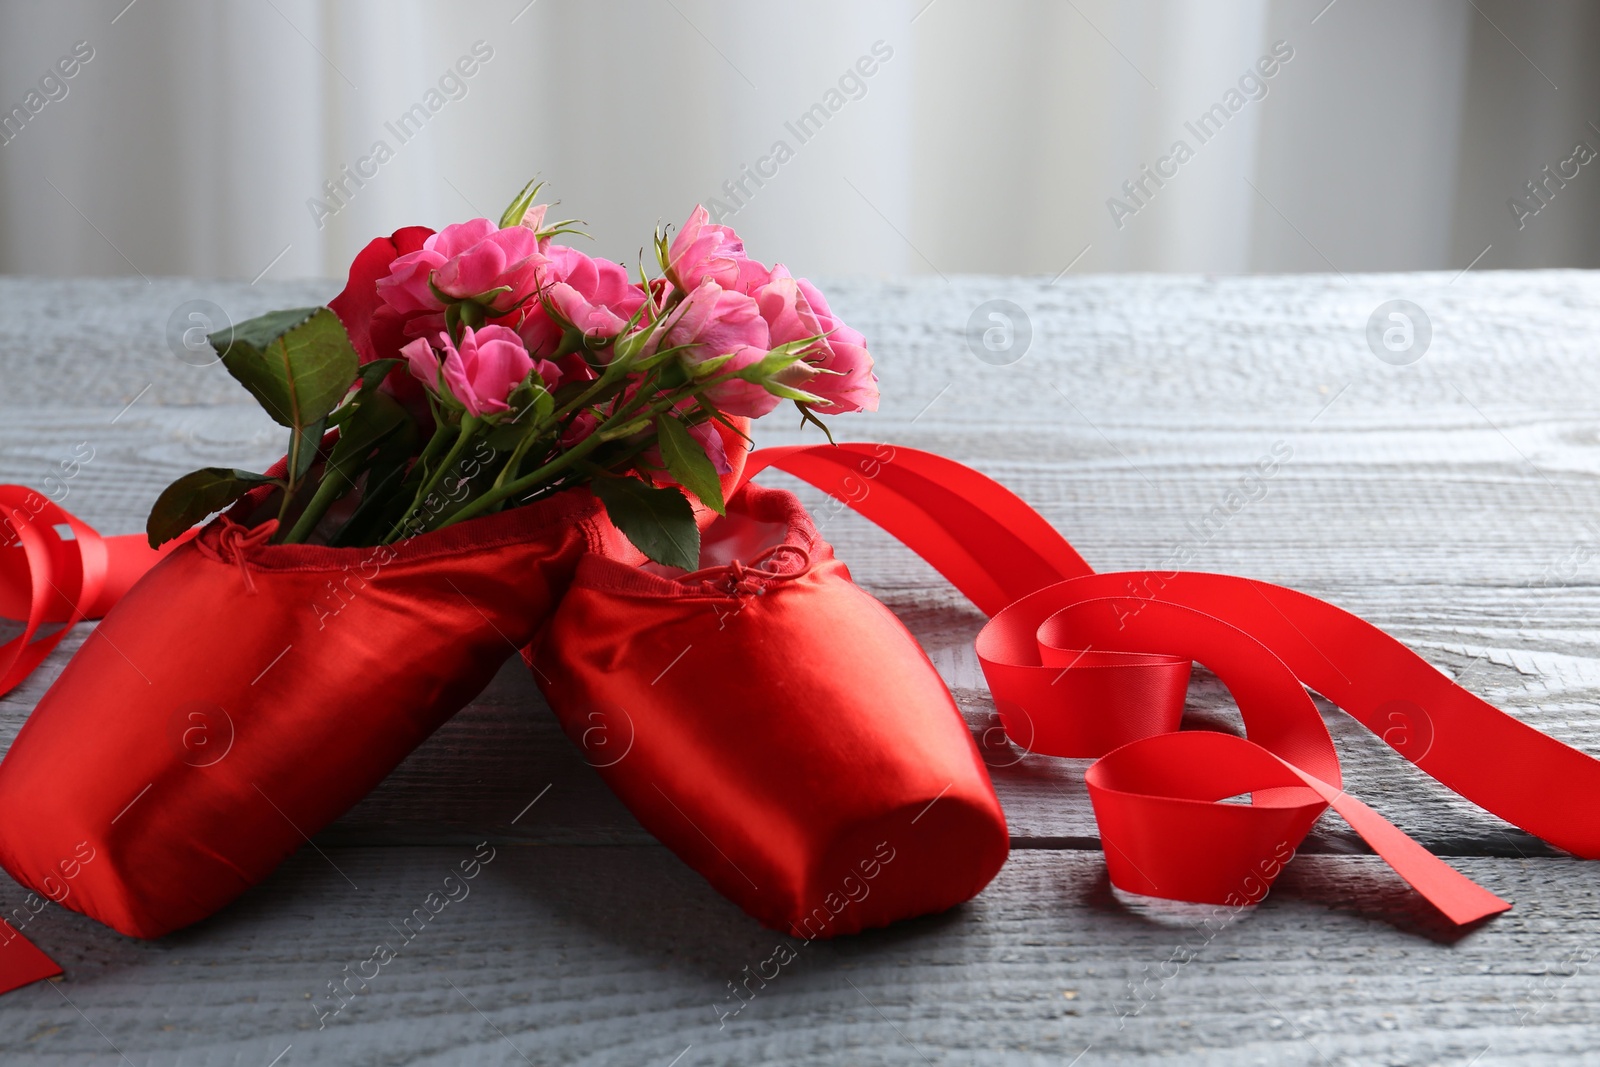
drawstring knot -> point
(236, 539)
(745, 578)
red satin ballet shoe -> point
(774, 725)
(243, 695)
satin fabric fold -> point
(1092, 665)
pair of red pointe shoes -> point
(789, 739)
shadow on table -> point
(1367, 887)
(1363, 887)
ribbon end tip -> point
(1479, 911)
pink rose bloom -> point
(533, 219)
(463, 261)
(482, 371)
(752, 276)
(582, 425)
(704, 250)
(794, 310)
(592, 295)
(716, 449)
(737, 396)
(716, 322)
(712, 322)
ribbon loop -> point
(46, 577)
(1158, 803)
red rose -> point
(375, 329)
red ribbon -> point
(54, 568)
(1085, 664)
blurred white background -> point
(988, 137)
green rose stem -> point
(469, 429)
(572, 455)
(527, 481)
(292, 488)
(334, 480)
(517, 454)
(617, 368)
(612, 372)
(327, 492)
(538, 430)
(441, 435)
(557, 418)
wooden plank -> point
(606, 955)
(103, 341)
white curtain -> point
(917, 137)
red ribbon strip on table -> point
(1096, 665)
(54, 569)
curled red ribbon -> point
(54, 569)
(1085, 664)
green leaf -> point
(506, 436)
(384, 495)
(530, 402)
(298, 364)
(659, 522)
(778, 359)
(376, 415)
(372, 374)
(195, 496)
(799, 396)
(512, 216)
(688, 463)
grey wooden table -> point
(1453, 501)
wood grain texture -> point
(1452, 502)
(620, 955)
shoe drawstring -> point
(235, 539)
(745, 578)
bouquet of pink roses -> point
(532, 368)
(474, 411)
